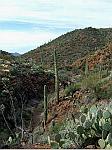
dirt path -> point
(37, 146)
(36, 117)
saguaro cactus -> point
(45, 105)
(86, 68)
(100, 71)
(42, 58)
(56, 77)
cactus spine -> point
(56, 77)
(45, 105)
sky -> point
(27, 24)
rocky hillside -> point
(71, 46)
(102, 57)
(82, 116)
(21, 90)
(6, 56)
(6, 60)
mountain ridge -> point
(71, 46)
(15, 54)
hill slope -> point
(71, 46)
(102, 57)
(6, 59)
(6, 56)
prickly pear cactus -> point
(87, 124)
(107, 126)
(106, 114)
(94, 122)
(80, 130)
(102, 143)
(104, 134)
(82, 119)
(97, 121)
(54, 145)
(58, 138)
(93, 109)
(99, 114)
(109, 139)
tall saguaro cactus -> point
(56, 77)
(100, 71)
(86, 68)
(45, 105)
(42, 58)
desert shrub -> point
(37, 69)
(38, 131)
(71, 89)
(4, 134)
(14, 142)
(99, 84)
(22, 86)
(63, 75)
(90, 81)
(103, 90)
(55, 128)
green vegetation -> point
(20, 90)
(71, 89)
(59, 98)
(71, 46)
(94, 126)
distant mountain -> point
(71, 46)
(15, 54)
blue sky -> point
(26, 24)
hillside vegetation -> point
(101, 57)
(60, 94)
(71, 46)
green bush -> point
(95, 82)
(4, 134)
(37, 69)
(103, 90)
(54, 129)
(71, 89)
(90, 81)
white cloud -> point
(56, 14)
(34, 10)
(13, 40)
